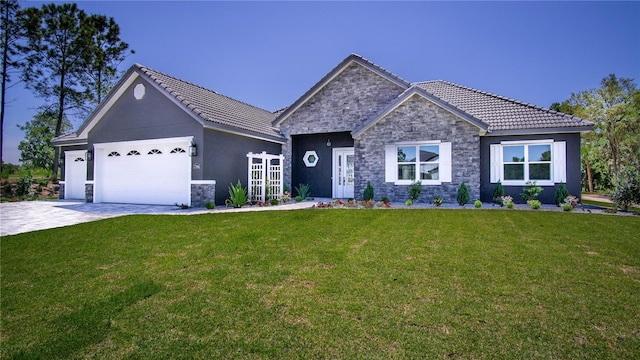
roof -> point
(503, 115)
(214, 107)
(335, 72)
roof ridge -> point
(518, 102)
(380, 68)
(146, 68)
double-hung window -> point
(515, 163)
(428, 162)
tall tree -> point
(10, 33)
(36, 149)
(102, 58)
(57, 38)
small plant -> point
(23, 186)
(210, 205)
(505, 199)
(477, 204)
(298, 198)
(567, 207)
(275, 201)
(408, 202)
(463, 194)
(561, 194)
(498, 193)
(530, 191)
(367, 204)
(437, 201)
(509, 204)
(414, 190)
(385, 199)
(237, 196)
(571, 200)
(368, 192)
(182, 206)
(535, 204)
(286, 197)
(303, 191)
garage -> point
(143, 172)
(75, 168)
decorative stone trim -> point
(61, 190)
(88, 192)
(202, 192)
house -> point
(158, 139)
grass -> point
(326, 284)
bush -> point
(209, 205)
(437, 201)
(561, 194)
(498, 193)
(414, 190)
(567, 207)
(477, 204)
(408, 202)
(509, 204)
(535, 204)
(627, 190)
(298, 198)
(530, 191)
(23, 187)
(385, 199)
(274, 202)
(303, 191)
(463, 194)
(237, 196)
(368, 192)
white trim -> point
(203, 182)
(444, 163)
(176, 140)
(309, 154)
(390, 157)
(559, 161)
(89, 182)
(495, 156)
(62, 182)
(525, 143)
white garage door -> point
(143, 172)
(75, 174)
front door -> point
(343, 172)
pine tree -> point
(463, 194)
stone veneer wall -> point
(61, 191)
(347, 101)
(201, 194)
(419, 120)
(88, 193)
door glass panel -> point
(350, 168)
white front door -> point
(343, 172)
(75, 174)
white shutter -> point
(445, 162)
(494, 156)
(559, 162)
(390, 163)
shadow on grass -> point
(89, 325)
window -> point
(154, 152)
(113, 153)
(515, 163)
(429, 162)
(178, 151)
(133, 152)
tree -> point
(36, 149)
(10, 33)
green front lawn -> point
(432, 284)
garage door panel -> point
(155, 176)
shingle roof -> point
(214, 107)
(501, 113)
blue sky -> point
(269, 53)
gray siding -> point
(419, 120)
(152, 117)
(344, 103)
(547, 195)
(225, 159)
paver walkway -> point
(25, 216)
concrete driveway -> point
(25, 216)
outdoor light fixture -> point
(329, 142)
(193, 149)
(89, 155)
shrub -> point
(530, 191)
(237, 196)
(567, 207)
(414, 190)
(303, 191)
(509, 204)
(274, 202)
(535, 204)
(463, 194)
(498, 193)
(627, 190)
(385, 199)
(437, 201)
(298, 198)
(368, 192)
(408, 202)
(477, 204)
(23, 186)
(561, 194)
(209, 205)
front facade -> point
(158, 139)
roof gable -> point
(408, 94)
(336, 71)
